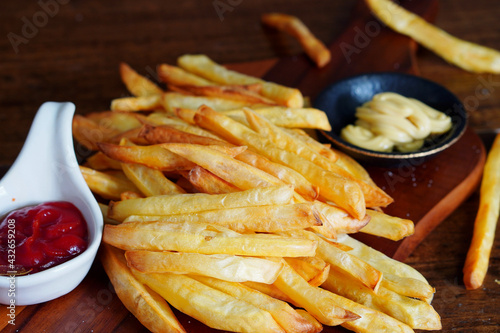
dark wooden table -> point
(70, 51)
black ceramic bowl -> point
(341, 99)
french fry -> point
(478, 256)
(225, 267)
(119, 121)
(464, 54)
(203, 238)
(137, 84)
(245, 93)
(174, 100)
(210, 306)
(127, 195)
(174, 75)
(284, 314)
(195, 202)
(268, 218)
(99, 161)
(203, 66)
(288, 117)
(415, 313)
(337, 258)
(145, 304)
(240, 174)
(153, 156)
(106, 185)
(139, 103)
(313, 269)
(409, 287)
(206, 182)
(337, 220)
(293, 26)
(88, 133)
(343, 192)
(161, 118)
(320, 303)
(169, 134)
(387, 226)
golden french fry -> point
(221, 266)
(343, 192)
(244, 93)
(379, 260)
(313, 269)
(145, 304)
(409, 287)
(203, 238)
(478, 256)
(137, 84)
(320, 303)
(99, 161)
(284, 314)
(293, 26)
(414, 313)
(104, 210)
(307, 316)
(268, 218)
(467, 55)
(237, 173)
(206, 182)
(337, 220)
(204, 66)
(153, 156)
(161, 118)
(119, 121)
(177, 76)
(210, 306)
(196, 202)
(269, 290)
(150, 181)
(106, 185)
(174, 100)
(288, 117)
(387, 226)
(139, 103)
(88, 133)
(343, 260)
(127, 195)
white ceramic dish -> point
(47, 170)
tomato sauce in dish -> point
(38, 237)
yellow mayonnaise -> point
(393, 122)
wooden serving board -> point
(425, 193)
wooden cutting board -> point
(424, 193)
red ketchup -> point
(39, 237)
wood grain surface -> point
(74, 56)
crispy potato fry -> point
(320, 303)
(313, 269)
(221, 266)
(338, 258)
(119, 121)
(174, 75)
(210, 306)
(206, 182)
(137, 84)
(130, 195)
(387, 226)
(203, 66)
(153, 156)
(139, 103)
(313, 321)
(145, 304)
(104, 210)
(293, 26)
(374, 196)
(287, 117)
(196, 202)
(269, 290)
(467, 55)
(337, 220)
(343, 192)
(99, 161)
(409, 287)
(415, 313)
(106, 185)
(284, 314)
(203, 238)
(88, 133)
(379, 260)
(244, 93)
(240, 174)
(478, 256)
(161, 118)
(268, 218)
(169, 134)
(174, 100)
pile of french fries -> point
(218, 203)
